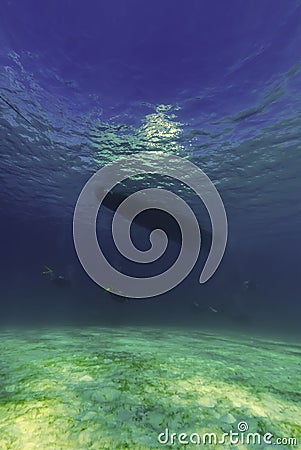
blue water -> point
(80, 81)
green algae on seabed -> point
(103, 388)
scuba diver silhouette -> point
(58, 280)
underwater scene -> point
(150, 224)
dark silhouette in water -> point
(249, 286)
(150, 219)
(238, 311)
(58, 280)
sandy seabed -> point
(119, 388)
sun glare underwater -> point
(152, 95)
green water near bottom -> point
(103, 388)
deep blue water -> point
(80, 85)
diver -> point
(249, 286)
(243, 302)
(204, 308)
(239, 309)
(58, 280)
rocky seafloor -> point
(119, 388)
